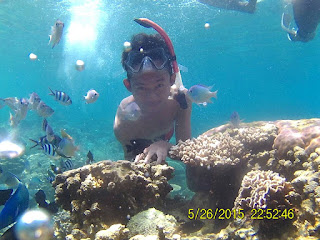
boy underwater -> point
(149, 79)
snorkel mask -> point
(154, 59)
(177, 89)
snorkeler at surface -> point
(307, 17)
(149, 79)
(237, 5)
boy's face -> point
(151, 89)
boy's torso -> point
(151, 126)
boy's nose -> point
(152, 96)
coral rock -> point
(115, 232)
(219, 158)
(264, 189)
(108, 192)
(300, 133)
(148, 223)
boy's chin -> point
(151, 107)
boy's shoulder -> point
(121, 125)
(126, 101)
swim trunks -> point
(138, 145)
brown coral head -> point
(286, 140)
(314, 143)
(263, 189)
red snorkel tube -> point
(145, 22)
(178, 94)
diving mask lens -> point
(138, 60)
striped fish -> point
(49, 149)
(51, 177)
(66, 165)
(55, 169)
(61, 97)
(48, 129)
(42, 141)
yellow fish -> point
(66, 146)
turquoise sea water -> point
(248, 58)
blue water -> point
(248, 58)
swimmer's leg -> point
(251, 6)
(285, 24)
(246, 6)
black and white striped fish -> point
(66, 165)
(42, 141)
(61, 97)
(49, 149)
(48, 129)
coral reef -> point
(255, 167)
(307, 184)
(152, 222)
(115, 232)
(106, 193)
(278, 165)
(218, 159)
(230, 147)
(264, 189)
(304, 133)
(267, 198)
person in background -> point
(306, 16)
(146, 120)
(237, 5)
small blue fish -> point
(15, 205)
(201, 94)
(51, 177)
(90, 159)
(235, 119)
(55, 169)
(61, 97)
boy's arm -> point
(120, 134)
(183, 123)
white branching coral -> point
(263, 189)
(225, 148)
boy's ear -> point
(127, 84)
(172, 78)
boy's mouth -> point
(152, 105)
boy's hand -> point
(159, 148)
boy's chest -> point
(152, 128)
